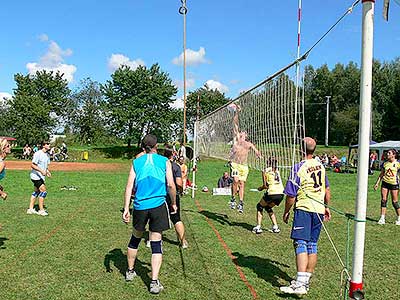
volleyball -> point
(232, 107)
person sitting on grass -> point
(272, 182)
(225, 181)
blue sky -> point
(232, 45)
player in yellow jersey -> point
(272, 182)
(308, 189)
(390, 182)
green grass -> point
(67, 254)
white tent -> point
(380, 147)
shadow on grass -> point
(267, 269)
(2, 240)
(224, 219)
(118, 258)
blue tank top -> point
(2, 173)
(150, 182)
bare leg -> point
(235, 186)
(312, 262)
(41, 199)
(384, 194)
(132, 253)
(241, 190)
(302, 262)
(180, 231)
(33, 199)
(156, 259)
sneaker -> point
(257, 230)
(397, 222)
(275, 229)
(31, 211)
(156, 287)
(185, 245)
(240, 207)
(129, 275)
(295, 287)
(42, 213)
(232, 204)
(381, 221)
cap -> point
(149, 141)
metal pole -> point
(327, 121)
(356, 282)
(196, 125)
(184, 71)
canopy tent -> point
(354, 158)
(379, 147)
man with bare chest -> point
(238, 157)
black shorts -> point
(37, 183)
(156, 217)
(390, 186)
(176, 217)
(277, 199)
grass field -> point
(79, 250)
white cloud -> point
(193, 57)
(178, 103)
(216, 85)
(118, 60)
(3, 98)
(190, 82)
(53, 60)
(43, 37)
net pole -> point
(195, 145)
(356, 283)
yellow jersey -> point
(391, 172)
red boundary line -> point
(230, 255)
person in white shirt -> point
(40, 163)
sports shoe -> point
(31, 211)
(42, 213)
(232, 204)
(185, 244)
(155, 287)
(295, 287)
(381, 221)
(257, 230)
(275, 229)
(240, 207)
(129, 275)
(397, 222)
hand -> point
(3, 195)
(327, 215)
(260, 188)
(174, 209)
(376, 186)
(48, 174)
(126, 216)
(286, 217)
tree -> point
(210, 100)
(40, 102)
(88, 120)
(138, 102)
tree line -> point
(135, 102)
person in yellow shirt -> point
(308, 190)
(390, 182)
(272, 182)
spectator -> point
(225, 181)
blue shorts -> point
(306, 226)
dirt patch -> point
(68, 166)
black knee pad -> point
(383, 203)
(259, 207)
(396, 205)
(156, 247)
(175, 218)
(134, 242)
(269, 210)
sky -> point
(231, 44)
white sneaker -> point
(42, 213)
(129, 275)
(295, 287)
(397, 222)
(381, 221)
(257, 230)
(275, 229)
(31, 211)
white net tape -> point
(272, 117)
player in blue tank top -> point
(151, 178)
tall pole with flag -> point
(356, 282)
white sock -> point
(398, 218)
(303, 277)
(383, 217)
